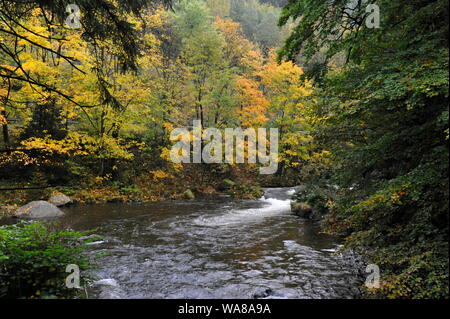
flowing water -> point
(218, 248)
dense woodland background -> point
(362, 112)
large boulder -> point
(60, 200)
(38, 210)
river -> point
(220, 248)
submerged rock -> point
(38, 210)
(108, 289)
(60, 200)
(263, 294)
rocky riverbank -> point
(313, 204)
(37, 210)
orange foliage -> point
(253, 103)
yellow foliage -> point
(3, 120)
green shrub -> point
(246, 191)
(405, 225)
(131, 190)
(33, 260)
(313, 196)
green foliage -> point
(33, 260)
(46, 121)
(383, 116)
(131, 190)
(227, 184)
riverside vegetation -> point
(33, 260)
(362, 115)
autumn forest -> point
(90, 94)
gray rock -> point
(93, 237)
(38, 210)
(60, 200)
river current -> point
(219, 248)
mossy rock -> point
(59, 200)
(303, 210)
(251, 191)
